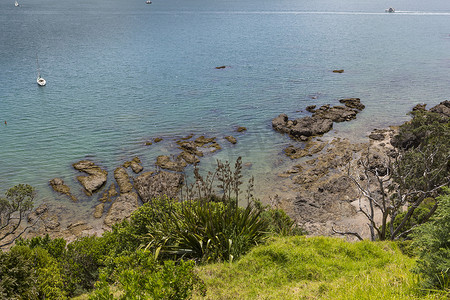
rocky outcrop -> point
(231, 139)
(320, 122)
(33, 216)
(164, 162)
(135, 165)
(96, 177)
(442, 108)
(189, 158)
(123, 180)
(59, 186)
(335, 113)
(98, 211)
(121, 208)
(302, 128)
(109, 194)
(190, 147)
(353, 103)
(150, 185)
(311, 108)
(410, 139)
(78, 228)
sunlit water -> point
(120, 73)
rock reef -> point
(96, 177)
(321, 120)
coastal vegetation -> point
(14, 207)
(402, 185)
(211, 244)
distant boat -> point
(16, 4)
(148, 2)
(390, 10)
(40, 81)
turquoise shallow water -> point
(122, 72)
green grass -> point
(316, 268)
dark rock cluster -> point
(321, 120)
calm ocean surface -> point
(120, 73)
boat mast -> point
(37, 64)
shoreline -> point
(304, 201)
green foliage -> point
(419, 216)
(215, 231)
(55, 247)
(148, 219)
(433, 243)
(277, 219)
(139, 276)
(13, 209)
(27, 273)
(200, 230)
(82, 261)
(424, 163)
(424, 128)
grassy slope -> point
(315, 268)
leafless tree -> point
(395, 186)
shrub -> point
(216, 231)
(82, 261)
(432, 240)
(55, 247)
(13, 209)
(278, 221)
(139, 276)
(27, 273)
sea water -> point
(120, 73)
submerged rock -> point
(123, 180)
(164, 162)
(202, 141)
(135, 165)
(190, 147)
(96, 179)
(189, 158)
(59, 186)
(311, 148)
(32, 217)
(150, 185)
(98, 212)
(231, 139)
(353, 103)
(109, 194)
(335, 113)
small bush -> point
(432, 240)
(82, 261)
(278, 221)
(27, 273)
(139, 276)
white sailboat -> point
(16, 3)
(40, 81)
